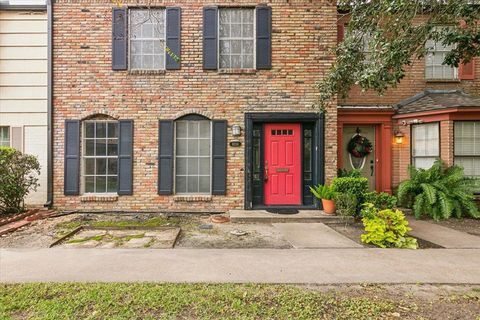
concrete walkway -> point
(443, 236)
(316, 266)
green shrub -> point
(354, 173)
(346, 204)
(354, 186)
(322, 192)
(18, 176)
(439, 192)
(386, 228)
(381, 200)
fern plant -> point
(323, 192)
(439, 192)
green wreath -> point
(359, 146)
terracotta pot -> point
(328, 206)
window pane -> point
(204, 147)
(192, 166)
(112, 184)
(89, 166)
(182, 147)
(101, 129)
(89, 130)
(181, 166)
(113, 166)
(193, 147)
(425, 139)
(204, 166)
(192, 184)
(204, 184)
(181, 184)
(89, 184)
(101, 147)
(89, 147)
(204, 129)
(101, 166)
(112, 147)
(423, 163)
(101, 184)
(112, 130)
(467, 138)
(193, 129)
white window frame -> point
(412, 138)
(9, 137)
(210, 156)
(164, 38)
(475, 154)
(254, 66)
(84, 157)
(434, 48)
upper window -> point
(100, 156)
(434, 67)
(467, 147)
(147, 39)
(425, 145)
(4, 137)
(236, 38)
(193, 157)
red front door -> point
(282, 164)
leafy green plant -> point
(18, 176)
(381, 200)
(354, 173)
(323, 192)
(357, 186)
(346, 204)
(439, 192)
(386, 228)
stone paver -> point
(443, 236)
(263, 216)
(315, 266)
(137, 242)
(313, 235)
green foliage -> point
(439, 192)
(346, 204)
(18, 176)
(356, 186)
(323, 192)
(381, 200)
(397, 33)
(386, 228)
(354, 173)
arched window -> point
(100, 156)
(193, 166)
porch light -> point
(236, 130)
(399, 137)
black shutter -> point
(71, 175)
(173, 37)
(264, 37)
(219, 157)
(119, 39)
(210, 16)
(165, 157)
(125, 157)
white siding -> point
(23, 85)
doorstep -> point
(263, 216)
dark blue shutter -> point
(165, 157)
(219, 157)
(210, 16)
(173, 36)
(71, 175)
(119, 39)
(264, 37)
(125, 157)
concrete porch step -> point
(263, 216)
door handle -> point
(265, 177)
(371, 168)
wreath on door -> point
(359, 146)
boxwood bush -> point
(357, 186)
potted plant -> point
(326, 194)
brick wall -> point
(84, 85)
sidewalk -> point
(315, 266)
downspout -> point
(49, 202)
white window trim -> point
(9, 129)
(254, 67)
(83, 157)
(412, 157)
(175, 162)
(164, 35)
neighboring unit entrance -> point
(283, 170)
(366, 164)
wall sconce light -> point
(399, 137)
(236, 130)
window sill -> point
(134, 72)
(99, 198)
(192, 198)
(237, 71)
(442, 80)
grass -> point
(172, 301)
(108, 237)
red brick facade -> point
(303, 34)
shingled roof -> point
(430, 100)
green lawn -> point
(216, 301)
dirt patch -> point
(471, 226)
(354, 230)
